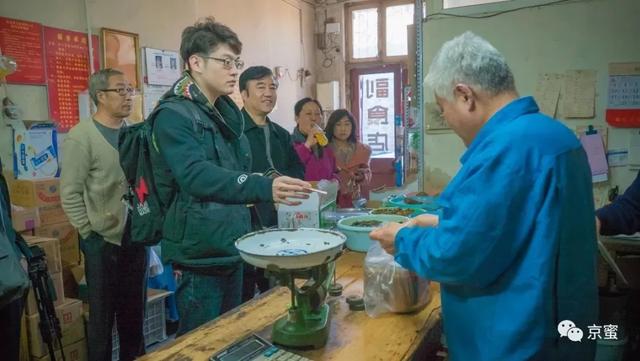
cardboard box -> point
(24, 219)
(35, 193)
(32, 308)
(68, 237)
(75, 352)
(51, 248)
(35, 152)
(71, 276)
(71, 324)
(51, 214)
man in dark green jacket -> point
(202, 170)
(271, 150)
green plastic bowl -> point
(358, 237)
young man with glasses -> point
(92, 187)
(202, 171)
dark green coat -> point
(203, 176)
(284, 157)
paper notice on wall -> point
(603, 130)
(547, 93)
(618, 157)
(579, 95)
(594, 147)
(152, 94)
(634, 148)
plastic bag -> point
(388, 287)
(155, 264)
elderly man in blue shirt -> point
(515, 246)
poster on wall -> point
(120, 51)
(623, 105)
(163, 66)
(67, 64)
(22, 41)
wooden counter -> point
(353, 334)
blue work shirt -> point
(515, 248)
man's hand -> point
(386, 235)
(287, 187)
(424, 220)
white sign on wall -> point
(377, 113)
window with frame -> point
(378, 30)
(450, 4)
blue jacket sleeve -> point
(623, 215)
(487, 218)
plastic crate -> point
(154, 327)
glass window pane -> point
(364, 24)
(398, 17)
(377, 113)
(448, 4)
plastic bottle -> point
(321, 137)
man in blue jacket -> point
(514, 248)
(622, 216)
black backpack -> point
(146, 211)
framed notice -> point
(120, 51)
(67, 64)
(22, 41)
(163, 66)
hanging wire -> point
(492, 14)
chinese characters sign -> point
(67, 73)
(377, 111)
(22, 40)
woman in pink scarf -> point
(352, 158)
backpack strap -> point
(180, 108)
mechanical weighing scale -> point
(297, 254)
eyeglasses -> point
(228, 62)
(121, 91)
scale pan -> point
(290, 248)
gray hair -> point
(471, 60)
(99, 81)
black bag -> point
(13, 278)
(14, 281)
(135, 145)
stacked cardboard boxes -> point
(71, 324)
(51, 249)
(36, 210)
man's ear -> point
(100, 98)
(466, 95)
(196, 63)
(244, 94)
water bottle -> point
(398, 166)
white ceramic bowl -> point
(290, 248)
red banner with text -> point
(67, 64)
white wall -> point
(587, 34)
(273, 32)
(335, 69)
